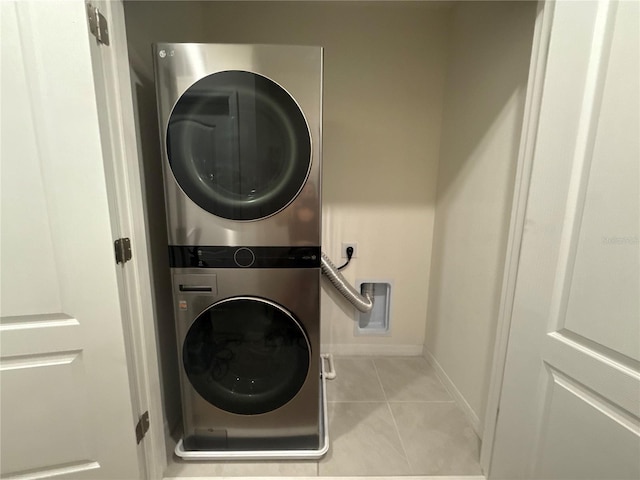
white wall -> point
(484, 101)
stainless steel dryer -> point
(241, 143)
(249, 354)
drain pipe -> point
(363, 302)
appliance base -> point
(314, 454)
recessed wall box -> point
(377, 321)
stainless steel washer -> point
(249, 341)
(241, 143)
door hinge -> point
(98, 24)
(142, 427)
(123, 250)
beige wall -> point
(484, 101)
(383, 90)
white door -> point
(66, 406)
(570, 403)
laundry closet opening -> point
(422, 113)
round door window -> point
(238, 145)
(246, 355)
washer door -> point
(246, 355)
(239, 145)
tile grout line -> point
(395, 424)
(375, 369)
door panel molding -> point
(45, 320)
(37, 360)
(582, 156)
(599, 352)
(67, 470)
(600, 403)
(598, 372)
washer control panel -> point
(243, 257)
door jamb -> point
(127, 188)
(537, 69)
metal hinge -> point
(98, 24)
(142, 427)
(123, 250)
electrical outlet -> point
(354, 245)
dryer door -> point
(246, 355)
(239, 145)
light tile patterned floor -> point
(388, 416)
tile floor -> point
(388, 416)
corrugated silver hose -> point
(363, 302)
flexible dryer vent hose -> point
(363, 302)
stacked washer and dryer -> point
(241, 141)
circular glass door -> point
(246, 355)
(238, 145)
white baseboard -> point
(347, 349)
(455, 393)
(413, 477)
